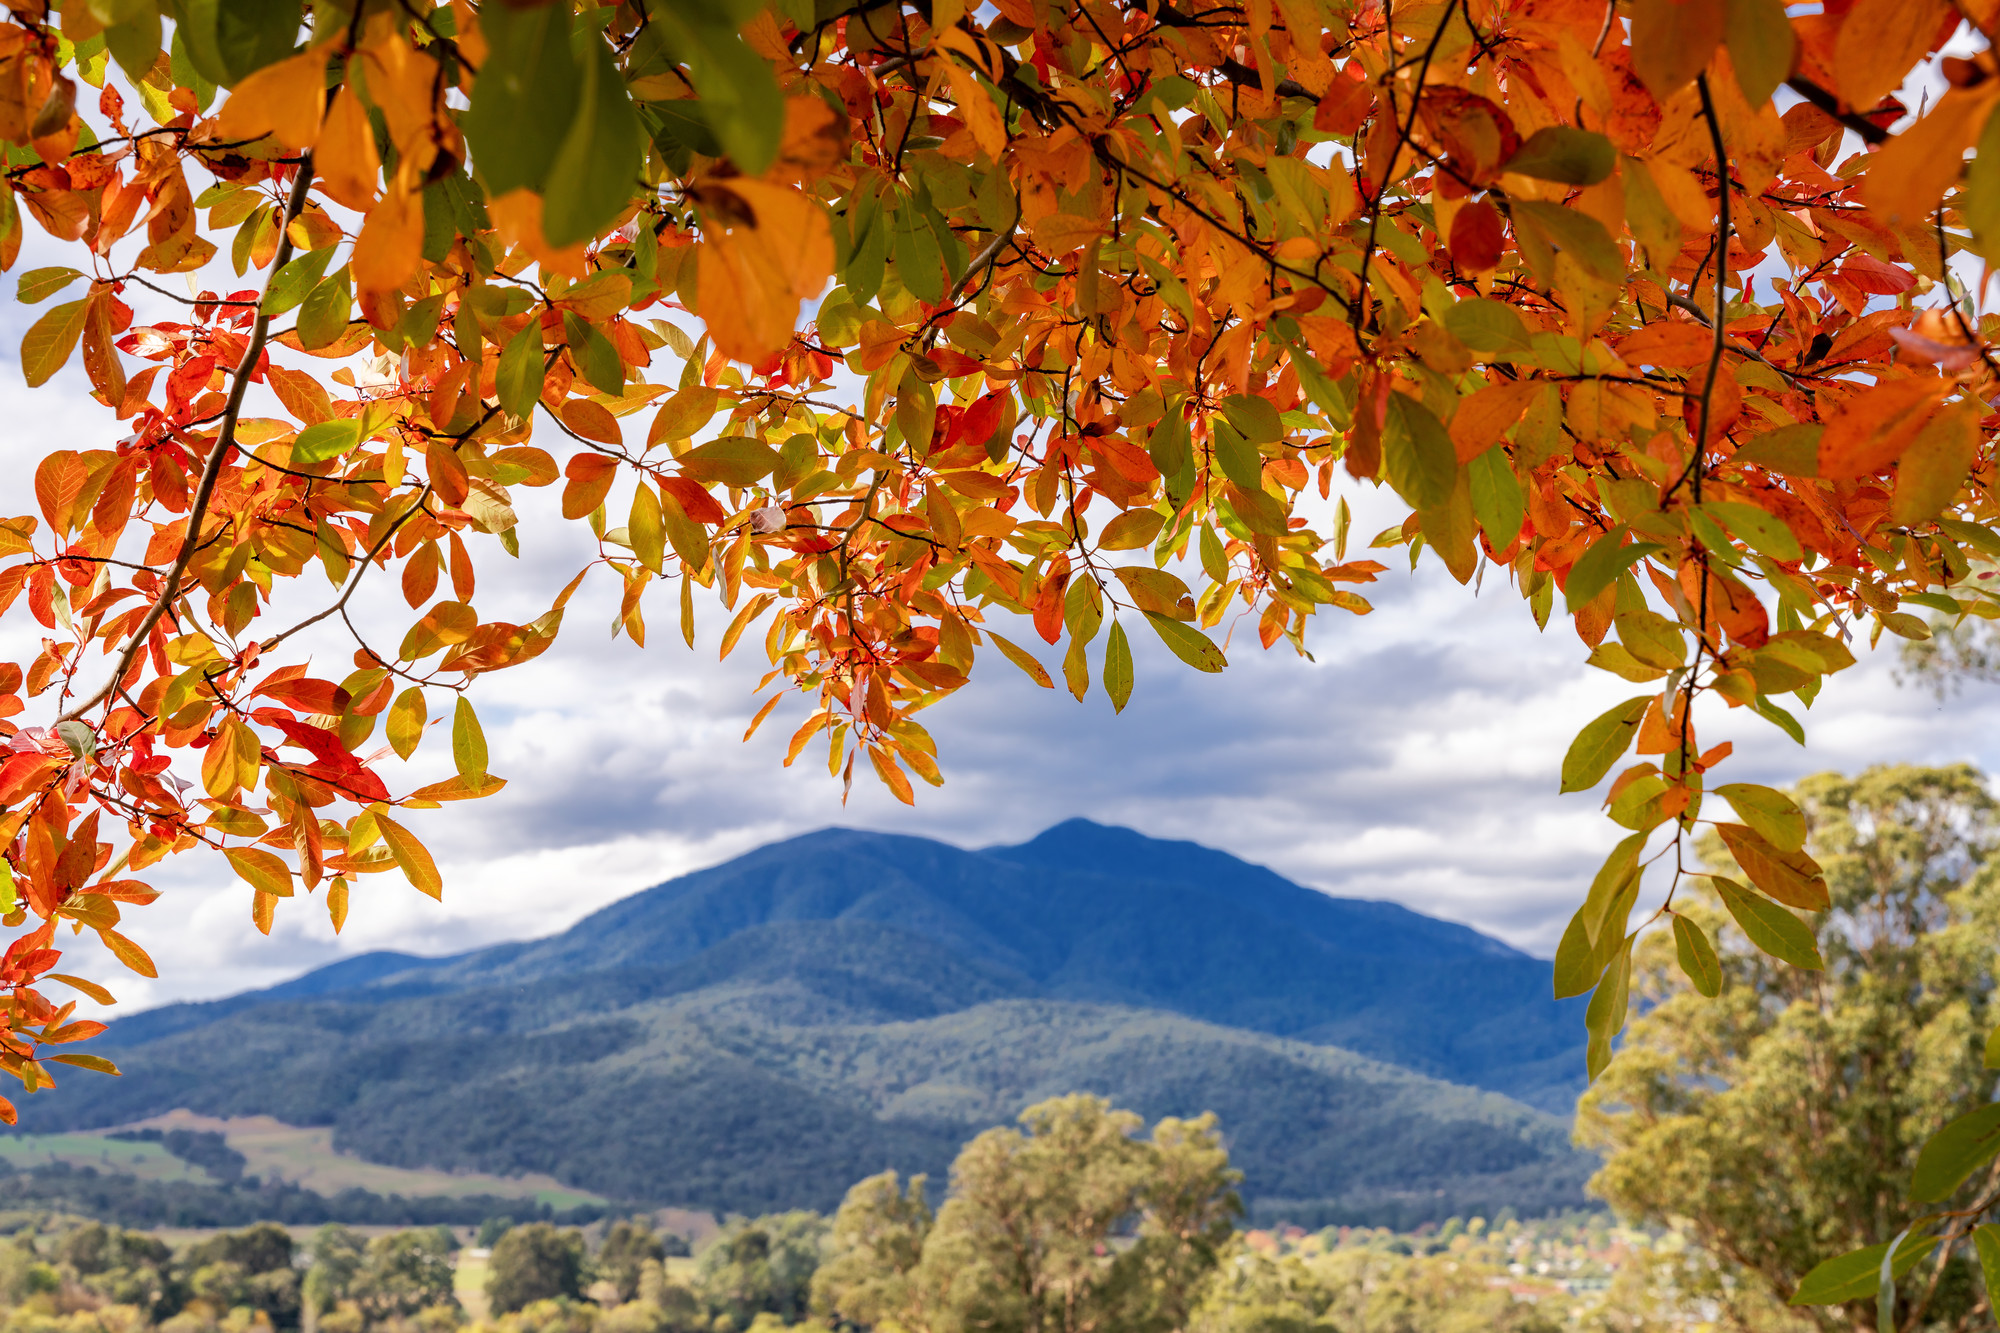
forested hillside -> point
(762, 1034)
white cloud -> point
(1415, 760)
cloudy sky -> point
(1414, 759)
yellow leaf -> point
(346, 159)
(128, 953)
(1879, 42)
(411, 857)
(391, 243)
(284, 100)
(765, 250)
(261, 870)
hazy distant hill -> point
(765, 1032)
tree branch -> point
(225, 442)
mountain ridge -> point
(762, 1032)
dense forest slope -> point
(763, 1033)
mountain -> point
(765, 1032)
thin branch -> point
(361, 568)
(225, 443)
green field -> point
(272, 1150)
(148, 1161)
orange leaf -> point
(765, 249)
(1675, 344)
(518, 216)
(285, 100)
(1909, 175)
(1872, 428)
(346, 159)
(1879, 42)
(592, 421)
(1936, 465)
(1672, 41)
(590, 476)
(1488, 414)
(1793, 878)
(391, 243)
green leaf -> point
(1599, 567)
(1759, 529)
(1237, 457)
(1992, 1057)
(1171, 451)
(323, 317)
(1565, 154)
(1497, 500)
(1618, 660)
(1618, 872)
(228, 40)
(1986, 1240)
(406, 721)
(8, 900)
(741, 102)
(1418, 458)
(1792, 450)
(1021, 658)
(1598, 746)
(733, 460)
(684, 123)
(1578, 235)
(518, 379)
(1760, 41)
(1604, 1019)
(595, 355)
(39, 284)
(1772, 928)
(1117, 667)
(296, 281)
(1188, 643)
(1255, 417)
(468, 743)
(329, 439)
(1697, 957)
(1487, 326)
(97, 1064)
(1857, 1274)
(597, 167)
(526, 98)
(1777, 820)
(1955, 1152)
(135, 42)
(1981, 207)
(1779, 718)
(49, 342)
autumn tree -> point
(629, 1244)
(1070, 1224)
(1782, 1114)
(536, 1262)
(911, 331)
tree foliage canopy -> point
(1070, 1224)
(1100, 298)
(1786, 1120)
